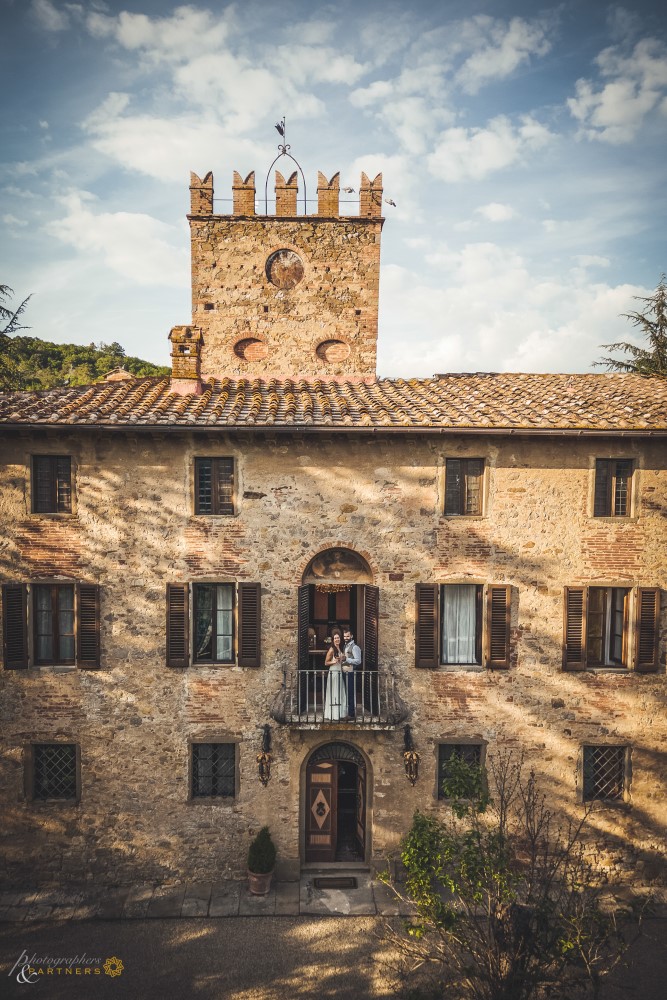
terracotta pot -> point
(259, 884)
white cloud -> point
(509, 46)
(485, 308)
(13, 222)
(474, 153)
(48, 16)
(496, 212)
(615, 112)
(183, 35)
(133, 245)
(591, 260)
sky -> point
(524, 147)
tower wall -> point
(286, 295)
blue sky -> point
(524, 147)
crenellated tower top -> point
(291, 294)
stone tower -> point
(286, 295)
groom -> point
(352, 660)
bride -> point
(335, 700)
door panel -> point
(321, 811)
(361, 811)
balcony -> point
(302, 701)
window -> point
(469, 753)
(53, 771)
(51, 484)
(64, 624)
(463, 486)
(462, 624)
(613, 477)
(605, 773)
(598, 632)
(213, 770)
(213, 622)
(225, 628)
(214, 486)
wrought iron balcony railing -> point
(322, 698)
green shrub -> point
(262, 853)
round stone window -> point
(332, 351)
(251, 349)
(284, 269)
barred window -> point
(613, 478)
(469, 753)
(213, 769)
(54, 771)
(463, 486)
(604, 773)
(51, 484)
(214, 486)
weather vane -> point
(283, 150)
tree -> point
(653, 324)
(508, 906)
(9, 318)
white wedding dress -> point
(335, 700)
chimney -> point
(186, 342)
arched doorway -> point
(335, 805)
(337, 593)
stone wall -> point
(133, 531)
(286, 296)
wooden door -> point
(361, 811)
(321, 811)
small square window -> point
(604, 773)
(469, 753)
(214, 486)
(213, 770)
(613, 479)
(54, 771)
(51, 484)
(463, 487)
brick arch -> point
(347, 547)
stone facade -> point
(286, 296)
(132, 530)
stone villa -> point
(178, 553)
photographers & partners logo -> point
(31, 969)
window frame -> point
(479, 626)
(626, 776)
(479, 743)
(213, 741)
(215, 461)
(246, 623)
(610, 499)
(494, 619)
(213, 662)
(30, 762)
(463, 492)
(20, 618)
(54, 509)
(641, 629)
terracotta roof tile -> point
(613, 402)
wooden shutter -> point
(498, 601)
(427, 625)
(15, 626)
(178, 648)
(574, 628)
(303, 615)
(647, 629)
(371, 621)
(88, 639)
(250, 625)
(603, 477)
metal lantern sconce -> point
(410, 757)
(264, 758)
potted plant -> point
(261, 862)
